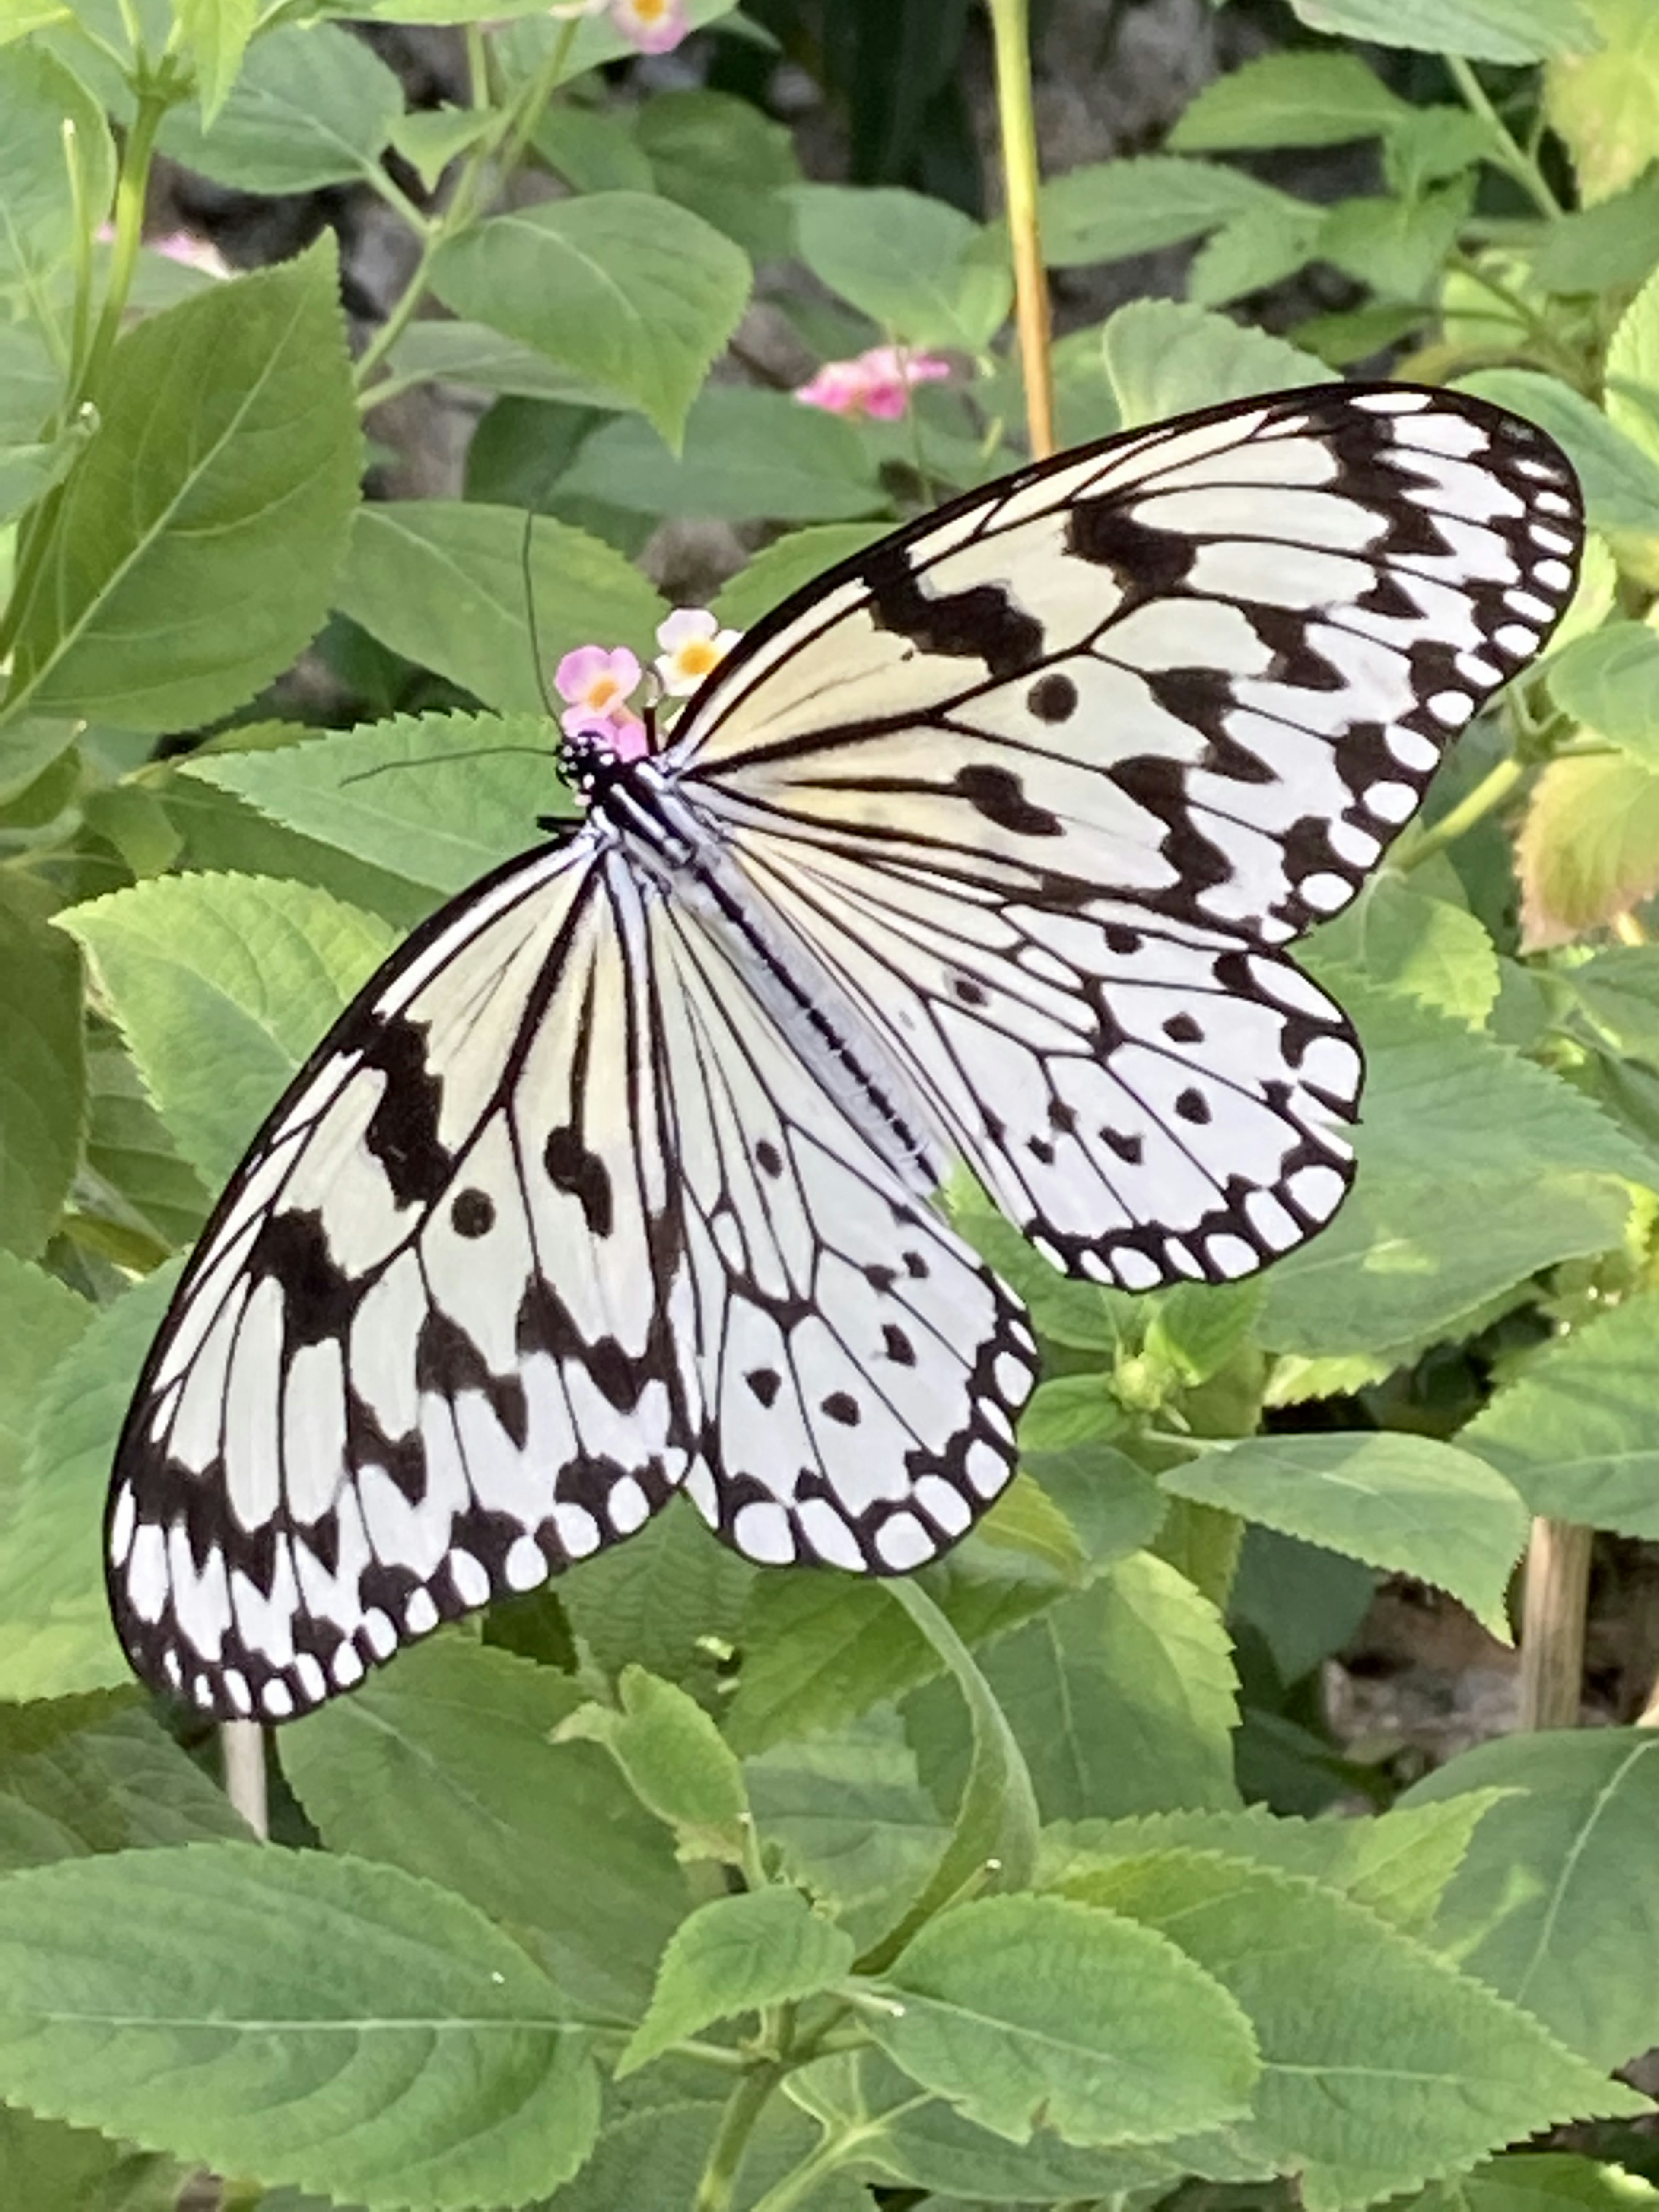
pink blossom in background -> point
(876, 384)
(194, 253)
(655, 27)
(692, 643)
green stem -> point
(130, 193)
(81, 325)
(743, 2108)
(798, 2185)
(1011, 35)
(1509, 154)
(1493, 788)
(507, 141)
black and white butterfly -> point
(620, 1176)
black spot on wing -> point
(319, 1298)
(1148, 562)
(403, 1131)
(1053, 698)
(981, 625)
(999, 796)
(472, 1213)
(582, 1175)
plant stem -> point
(242, 1753)
(1510, 155)
(797, 2186)
(131, 192)
(1011, 30)
(743, 2108)
(1493, 788)
(1552, 1609)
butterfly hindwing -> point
(1208, 667)
(861, 1368)
(425, 1352)
(1148, 1101)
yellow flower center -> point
(697, 656)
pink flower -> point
(194, 253)
(692, 643)
(596, 681)
(621, 730)
(877, 384)
(655, 27)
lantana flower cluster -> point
(598, 684)
(875, 384)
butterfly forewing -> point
(429, 1349)
(1209, 667)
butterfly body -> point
(620, 1177)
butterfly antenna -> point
(530, 616)
(436, 760)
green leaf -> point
(727, 162)
(669, 1599)
(44, 1318)
(851, 1820)
(405, 2051)
(1619, 480)
(1289, 100)
(787, 565)
(1607, 248)
(216, 34)
(1589, 848)
(748, 455)
(1400, 938)
(1113, 1506)
(1605, 104)
(469, 353)
(223, 835)
(1432, 143)
(677, 1764)
(918, 267)
(444, 1765)
(194, 549)
(430, 138)
(50, 2168)
(1609, 682)
(820, 1648)
(442, 582)
(55, 1633)
(1380, 2065)
(1164, 358)
(1550, 1907)
(624, 288)
(133, 1184)
(38, 222)
(95, 1774)
(1632, 369)
(862, 2098)
(1480, 30)
(223, 984)
(1476, 1168)
(1619, 989)
(312, 106)
(1107, 211)
(736, 1955)
(42, 1079)
(1122, 1698)
(28, 749)
(1399, 247)
(1023, 2010)
(1302, 1600)
(1260, 248)
(1398, 1866)
(1409, 1503)
(1538, 2181)
(432, 796)
(1576, 1432)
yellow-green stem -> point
(130, 194)
(1514, 156)
(1011, 34)
(743, 2108)
(1491, 792)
